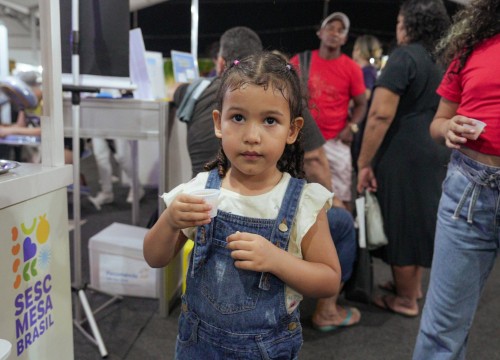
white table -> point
(135, 120)
(126, 119)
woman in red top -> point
(467, 232)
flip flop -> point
(344, 323)
(382, 303)
(390, 287)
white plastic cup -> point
(5, 348)
(211, 196)
(478, 126)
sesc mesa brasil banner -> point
(35, 301)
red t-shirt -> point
(477, 91)
(332, 84)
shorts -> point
(340, 163)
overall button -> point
(292, 326)
(283, 227)
(184, 307)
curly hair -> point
(425, 21)
(267, 70)
(471, 25)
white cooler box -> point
(117, 264)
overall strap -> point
(214, 181)
(280, 235)
(203, 233)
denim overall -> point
(465, 249)
(228, 313)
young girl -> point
(269, 243)
(467, 231)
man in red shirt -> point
(334, 79)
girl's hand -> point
(187, 211)
(5, 131)
(252, 252)
(455, 134)
(366, 180)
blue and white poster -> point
(185, 66)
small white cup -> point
(5, 349)
(478, 126)
(211, 196)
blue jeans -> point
(344, 237)
(465, 249)
(230, 313)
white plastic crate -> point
(117, 263)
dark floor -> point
(133, 329)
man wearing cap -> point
(333, 79)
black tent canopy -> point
(286, 25)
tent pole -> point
(81, 300)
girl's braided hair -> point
(267, 70)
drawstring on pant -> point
(477, 182)
(471, 188)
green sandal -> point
(344, 323)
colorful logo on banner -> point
(33, 306)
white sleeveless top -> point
(314, 197)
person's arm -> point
(20, 127)
(357, 114)
(21, 118)
(368, 93)
(316, 275)
(164, 240)
(380, 116)
(358, 109)
(316, 167)
(18, 130)
(317, 170)
(315, 162)
(447, 127)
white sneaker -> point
(101, 198)
(140, 194)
